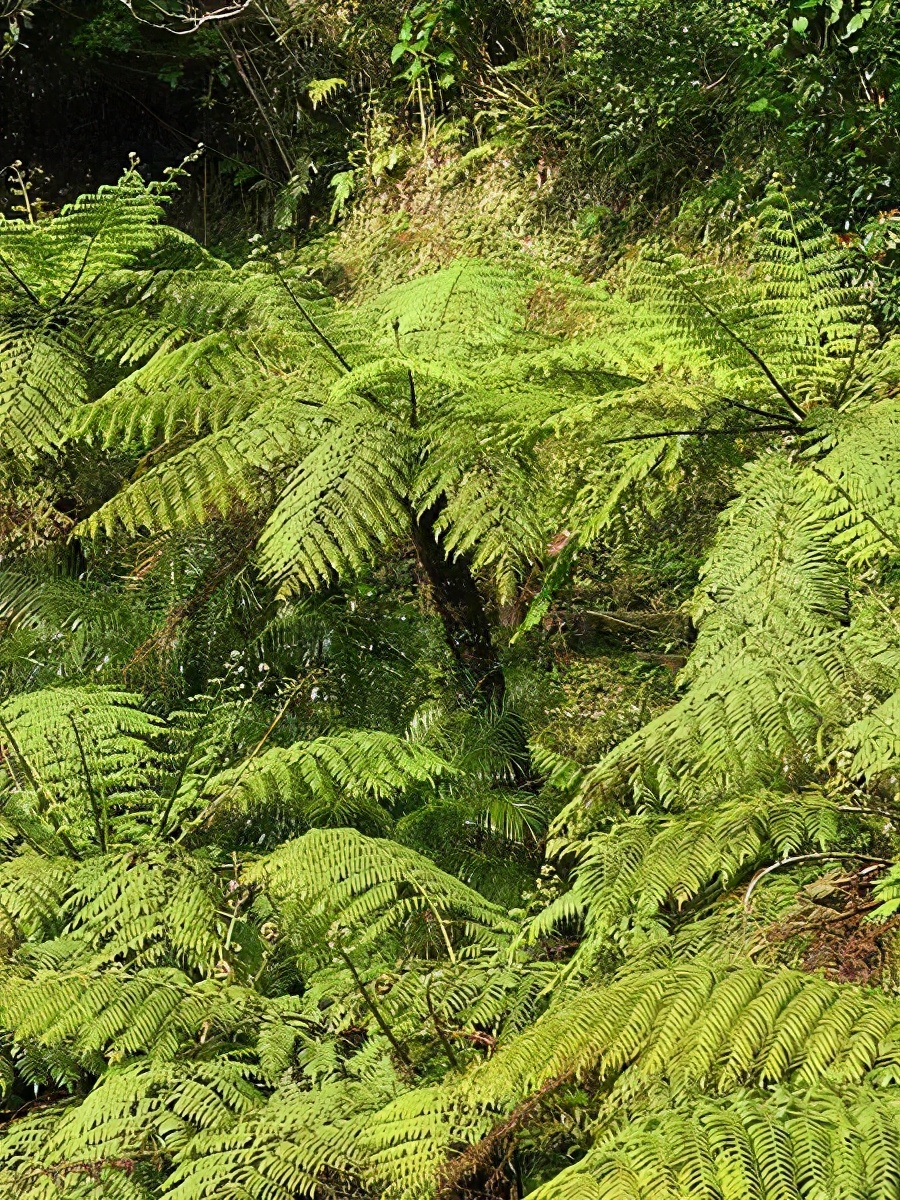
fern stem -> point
(434, 912)
(84, 262)
(439, 1029)
(661, 433)
(374, 1009)
(757, 412)
(21, 282)
(797, 412)
(99, 818)
(207, 812)
(413, 404)
(245, 79)
(319, 332)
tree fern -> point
(279, 913)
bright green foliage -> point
(793, 1146)
(288, 907)
(56, 278)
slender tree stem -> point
(439, 1029)
(374, 1009)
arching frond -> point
(372, 886)
(326, 781)
(653, 862)
(820, 1144)
(207, 477)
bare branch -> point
(194, 16)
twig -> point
(99, 816)
(192, 23)
(245, 78)
(787, 862)
(439, 1029)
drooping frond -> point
(110, 1143)
(42, 381)
(301, 1137)
(207, 477)
(327, 781)
(372, 886)
(46, 271)
(32, 887)
(775, 670)
(147, 908)
(343, 501)
(106, 1015)
(797, 1147)
(688, 1028)
(101, 231)
(854, 475)
(771, 568)
(650, 865)
(49, 735)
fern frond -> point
(854, 477)
(796, 1147)
(327, 781)
(344, 501)
(648, 863)
(792, 331)
(300, 1138)
(470, 309)
(688, 1028)
(772, 566)
(32, 887)
(207, 477)
(371, 887)
(116, 1137)
(40, 732)
(148, 907)
(42, 383)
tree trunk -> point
(456, 597)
